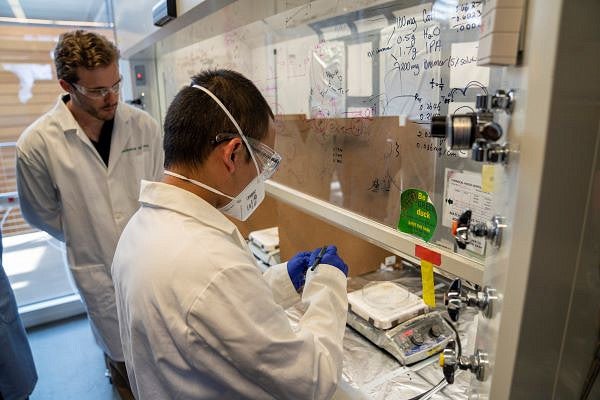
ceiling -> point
(59, 10)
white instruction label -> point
(462, 191)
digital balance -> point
(397, 321)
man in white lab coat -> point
(79, 168)
(197, 318)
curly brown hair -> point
(82, 49)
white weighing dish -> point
(385, 304)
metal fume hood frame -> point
(374, 232)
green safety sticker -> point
(417, 214)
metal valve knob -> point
(451, 361)
(456, 300)
(482, 102)
(493, 230)
(502, 100)
(497, 153)
(478, 150)
(485, 151)
(461, 233)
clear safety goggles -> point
(268, 159)
(99, 93)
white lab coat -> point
(66, 190)
(199, 321)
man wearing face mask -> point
(198, 320)
(79, 168)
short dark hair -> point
(194, 118)
(82, 49)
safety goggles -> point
(268, 159)
(98, 93)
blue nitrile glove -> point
(330, 257)
(297, 267)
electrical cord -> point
(426, 395)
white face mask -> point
(241, 206)
(247, 201)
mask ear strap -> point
(202, 185)
(216, 99)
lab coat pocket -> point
(8, 305)
(95, 287)
(135, 161)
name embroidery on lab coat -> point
(145, 146)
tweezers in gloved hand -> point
(318, 259)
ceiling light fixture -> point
(16, 8)
(32, 21)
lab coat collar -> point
(121, 134)
(69, 124)
(63, 116)
(163, 195)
